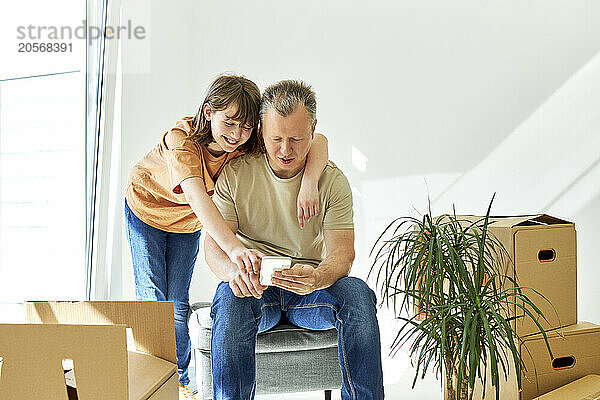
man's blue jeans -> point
(163, 263)
(348, 305)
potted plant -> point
(447, 281)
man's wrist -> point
(327, 273)
(319, 276)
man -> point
(257, 196)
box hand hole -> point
(547, 255)
(563, 362)
(0, 366)
(70, 384)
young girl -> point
(168, 202)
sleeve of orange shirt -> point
(183, 158)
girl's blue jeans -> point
(163, 263)
(349, 305)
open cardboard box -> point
(93, 336)
(586, 388)
(543, 256)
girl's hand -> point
(247, 260)
(308, 202)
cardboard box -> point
(586, 388)
(93, 336)
(576, 351)
(544, 251)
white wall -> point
(155, 89)
(426, 90)
(550, 164)
(402, 80)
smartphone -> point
(270, 264)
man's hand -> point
(246, 285)
(301, 279)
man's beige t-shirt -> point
(264, 206)
(153, 191)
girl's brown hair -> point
(226, 90)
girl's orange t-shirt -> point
(153, 189)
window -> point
(42, 162)
(42, 188)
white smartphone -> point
(270, 264)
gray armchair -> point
(288, 358)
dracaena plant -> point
(447, 280)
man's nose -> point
(286, 148)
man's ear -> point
(312, 133)
(207, 112)
(261, 138)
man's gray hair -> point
(285, 96)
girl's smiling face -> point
(227, 132)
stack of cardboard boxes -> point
(543, 250)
